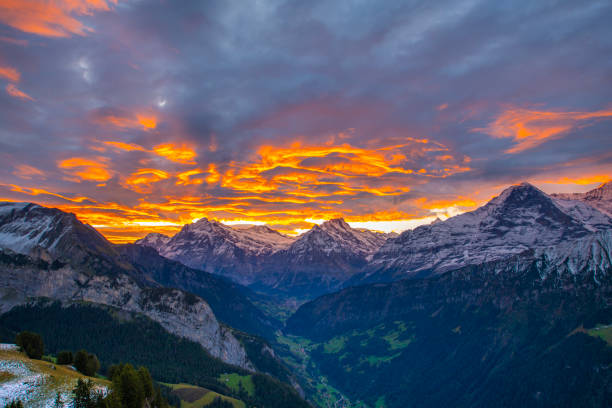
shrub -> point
(86, 363)
(31, 343)
(14, 404)
(64, 357)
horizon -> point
(142, 117)
(391, 226)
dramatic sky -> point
(141, 115)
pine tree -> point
(31, 343)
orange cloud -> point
(40, 191)
(128, 121)
(286, 187)
(179, 154)
(147, 121)
(12, 90)
(141, 180)
(530, 128)
(28, 172)
(126, 146)
(50, 18)
(9, 73)
(185, 179)
(598, 178)
(182, 154)
(84, 169)
(328, 170)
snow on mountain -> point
(336, 236)
(522, 217)
(154, 240)
(26, 228)
(321, 259)
(214, 247)
(600, 198)
(260, 255)
(90, 268)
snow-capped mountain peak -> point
(599, 198)
(522, 217)
(154, 240)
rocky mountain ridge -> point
(521, 218)
(50, 253)
(600, 198)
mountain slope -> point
(154, 240)
(509, 332)
(49, 233)
(316, 262)
(520, 218)
(321, 259)
(227, 299)
(214, 247)
(59, 257)
(600, 198)
(115, 336)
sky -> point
(143, 115)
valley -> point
(452, 311)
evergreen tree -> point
(31, 343)
(64, 357)
(147, 382)
(86, 363)
(129, 387)
(14, 404)
(82, 394)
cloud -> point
(9, 73)
(141, 181)
(51, 18)
(12, 90)
(182, 153)
(27, 172)
(125, 120)
(85, 169)
(530, 128)
(284, 112)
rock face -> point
(48, 253)
(316, 262)
(154, 240)
(230, 302)
(600, 198)
(581, 266)
(48, 232)
(233, 252)
(178, 312)
(519, 219)
(322, 258)
(456, 338)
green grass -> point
(380, 402)
(235, 382)
(335, 345)
(393, 336)
(55, 378)
(318, 389)
(207, 398)
(375, 361)
(603, 332)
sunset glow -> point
(391, 121)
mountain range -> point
(316, 262)
(334, 255)
(46, 252)
(506, 305)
